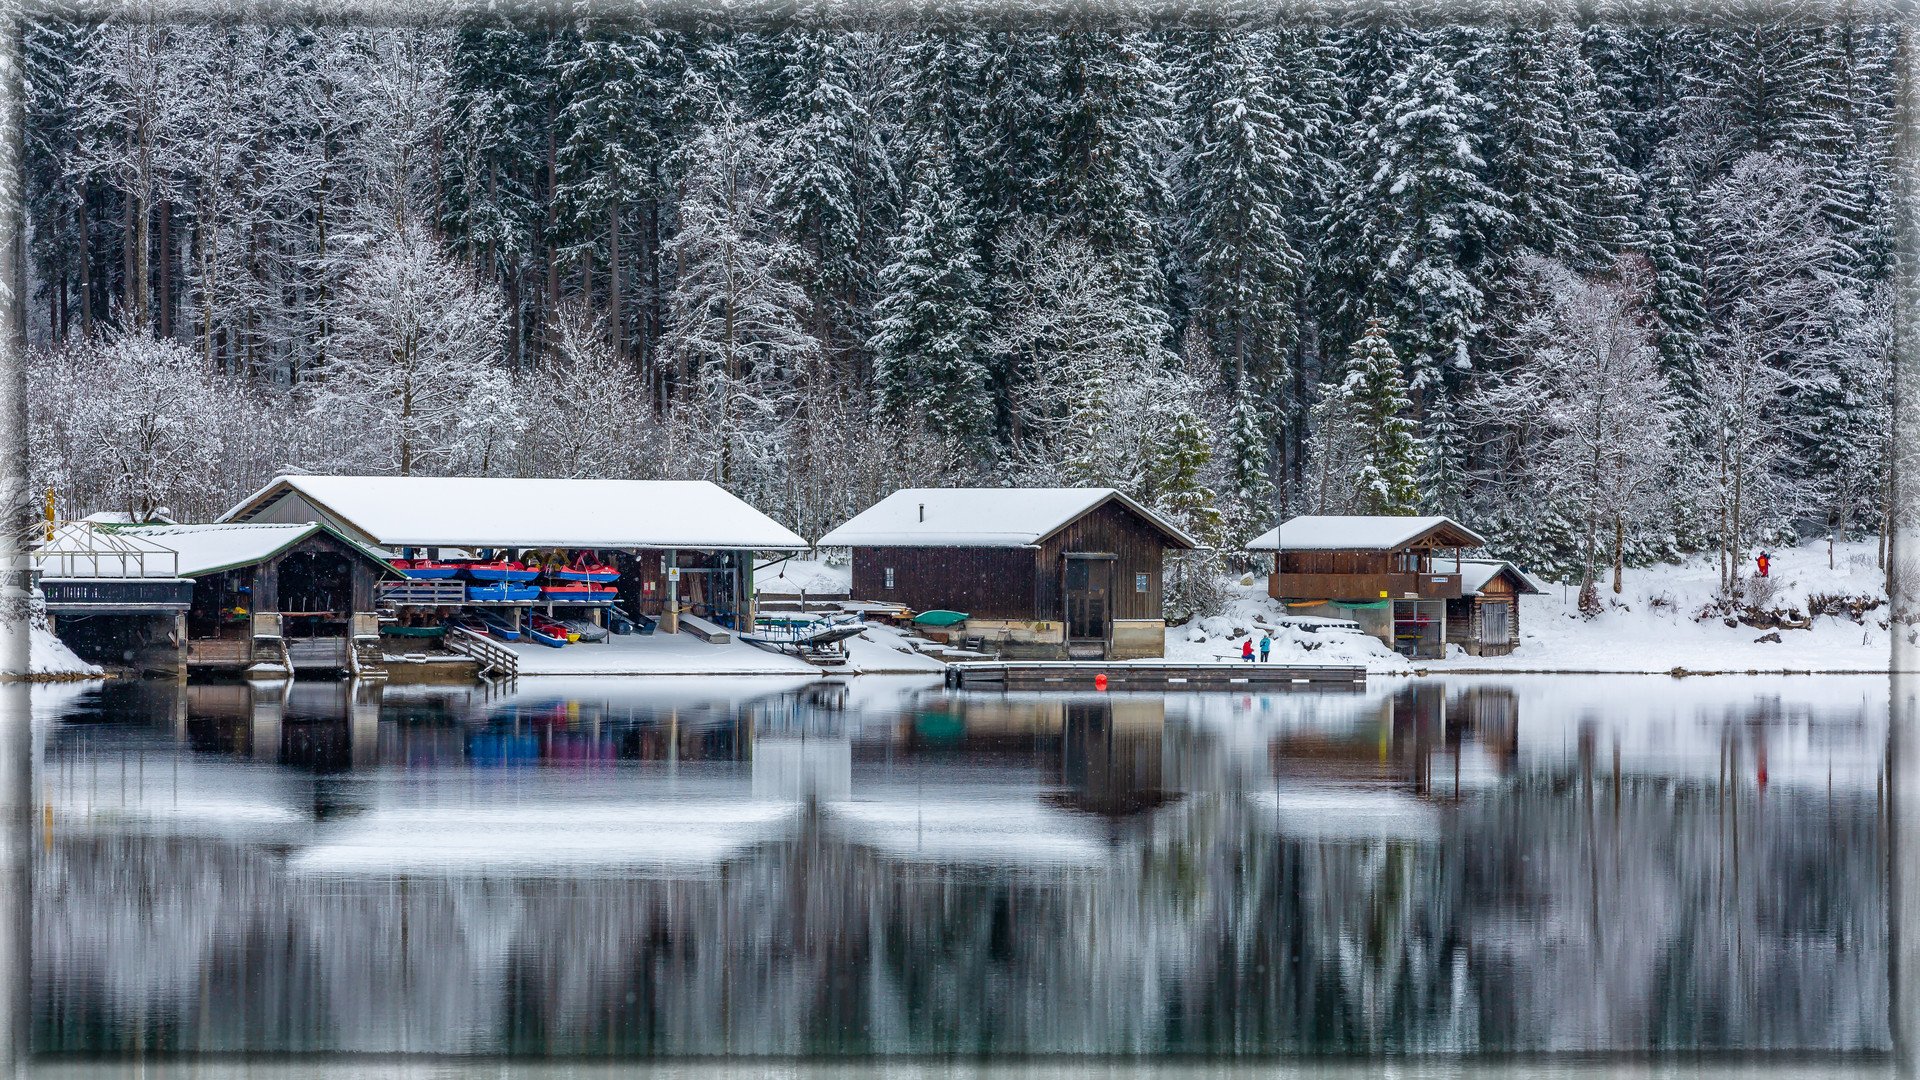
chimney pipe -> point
(923, 511)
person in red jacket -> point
(1765, 563)
(1246, 649)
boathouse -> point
(235, 596)
(1038, 572)
(1485, 620)
(681, 547)
(1379, 571)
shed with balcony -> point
(1392, 575)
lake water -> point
(675, 867)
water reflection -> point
(887, 867)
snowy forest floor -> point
(1650, 626)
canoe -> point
(940, 618)
(498, 627)
(415, 631)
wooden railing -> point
(488, 653)
(1364, 586)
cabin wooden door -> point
(1089, 595)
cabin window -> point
(1139, 583)
(889, 577)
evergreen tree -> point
(1374, 404)
(1416, 219)
(931, 321)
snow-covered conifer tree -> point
(1369, 413)
(931, 320)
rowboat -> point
(547, 632)
(940, 618)
(497, 626)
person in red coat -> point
(1246, 649)
(1765, 563)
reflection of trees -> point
(1544, 918)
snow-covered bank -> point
(51, 659)
(1650, 627)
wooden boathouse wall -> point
(985, 582)
(1020, 583)
(1114, 530)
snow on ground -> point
(884, 649)
(655, 654)
(1649, 627)
(803, 575)
(881, 649)
(1251, 611)
(50, 656)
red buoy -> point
(1100, 681)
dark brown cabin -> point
(1039, 572)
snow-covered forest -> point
(1604, 288)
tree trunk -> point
(166, 268)
(616, 319)
(1619, 550)
(86, 266)
(553, 264)
(127, 276)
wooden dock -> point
(1151, 675)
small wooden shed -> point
(1040, 572)
(1378, 570)
(1485, 620)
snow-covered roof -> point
(982, 517)
(496, 512)
(121, 517)
(1475, 573)
(206, 549)
(1357, 532)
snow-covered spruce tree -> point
(1238, 179)
(735, 314)
(1593, 402)
(413, 333)
(1367, 411)
(128, 423)
(931, 322)
(832, 185)
(1415, 218)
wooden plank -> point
(704, 630)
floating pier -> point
(1151, 675)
